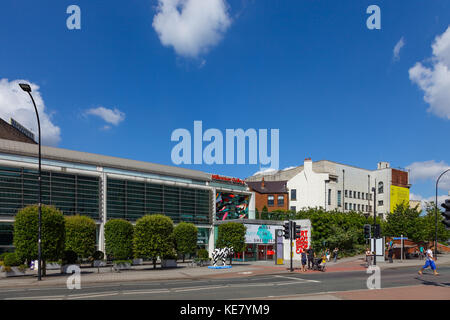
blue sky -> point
(311, 69)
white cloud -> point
(191, 27)
(425, 200)
(430, 170)
(16, 103)
(398, 47)
(108, 115)
(435, 79)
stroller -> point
(319, 265)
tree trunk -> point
(154, 263)
(44, 268)
(183, 257)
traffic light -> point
(286, 230)
(367, 228)
(446, 213)
(297, 232)
(377, 231)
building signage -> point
(302, 242)
(263, 234)
(227, 179)
(398, 196)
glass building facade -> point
(131, 200)
(70, 193)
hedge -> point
(119, 239)
(80, 235)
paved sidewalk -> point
(239, 269)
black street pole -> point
(290, 240)
(374, 223)
(27, 88)
(436, 213)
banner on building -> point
(398, 196)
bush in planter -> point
(153, 237)
(203, 254)
(80, 235)
(26, 234)
(69, 257)
(119, 239)
(98, 255)
(12, 260)
(186, 235)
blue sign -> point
(400, 238)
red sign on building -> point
(301, 243)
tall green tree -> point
(404, 221)
(231, 234)
(81, 235)
(427, 229)
(186, 235)
(119, 239)
(52, 234)
(153, 237)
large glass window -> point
(339, 198)
(131, 200)
(280, 201)
(294, 194)
(270, 200)
(380, 187)
(72, 194)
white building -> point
(332, 185)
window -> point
(359, 195)
(362, 207)
(380, 187)
(380, 203)
(359, 207)
(350, 193)
(280, 200)
(329, 197)
(294, 208)
(362, 195)
(346, 206)
(270, 200)
(354, 194)
(346, 194)
(339, 198)
(294, 194)
(370, 208)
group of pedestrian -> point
(309, 256)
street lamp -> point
(26, 87)
(436, 212)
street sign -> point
(400, 238)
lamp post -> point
(374, 222)
(436, 212)
(26, 87)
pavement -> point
(183, 271)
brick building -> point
(272, 194)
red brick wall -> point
(261, 201)
(399, 178)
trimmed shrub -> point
(231, 234)
(98, 255)
(26, 234)
(80, 235)
(119, 239)
(153, 237)
(12, 260)
(185, 235)
(203, 254)
(69, 257)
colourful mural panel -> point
(231, 206)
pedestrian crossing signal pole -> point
(291, 236)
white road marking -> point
(92, 296)
(298, 279)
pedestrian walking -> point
(368, 257)
(421, 253)
(303, 256)
(328, 254)
(429, 262)
(335, 252)
(310, 258)
(390, 254)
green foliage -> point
(153, 237)
(231, 234)
(172, 255)
(11, 259)
(69, 257)
(2, 256)
(98, 255)
(26, 233)
(119, 239)
(404, 221)
(427, 226)
(80, 235)
(203, 254)
(185, 235)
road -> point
(248, 287)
